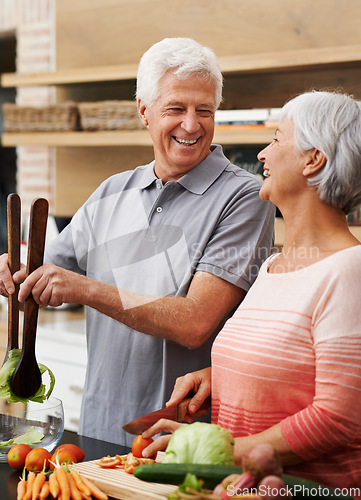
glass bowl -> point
(17, 418)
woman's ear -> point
(315, 161)
(142, 111)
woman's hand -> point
(199, 383)
(161, 443)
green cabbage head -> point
(200, 443)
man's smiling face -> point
(181, 123)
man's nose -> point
(190, 122)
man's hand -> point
(7, 284)
(51, 285)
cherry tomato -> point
(74, 450)
(139, 444)
(36, 458)
(62, 457)
(108, 462)
(17, 454)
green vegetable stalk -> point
(200, 443)
(5, 379)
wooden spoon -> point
(26, 379)
(14, 237)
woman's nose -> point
(261, 155)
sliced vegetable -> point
(5, 378)
(109, 462)
(200, 443)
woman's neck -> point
(313, 233)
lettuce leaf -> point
(5, 378)
(30, 437)
(200, 443)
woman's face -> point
(283, 166)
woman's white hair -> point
(184, 57)
(331, 123)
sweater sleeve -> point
(333, 418)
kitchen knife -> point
(174, 412)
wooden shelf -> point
(229, 136)
(287, 60)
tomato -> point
(17, 454)
(36, 458)
(74, 450)
(62, 457)
(139, 444)
(108, 462)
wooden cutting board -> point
(119, 484)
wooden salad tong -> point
(14, 241)
(26, 379)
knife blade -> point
(174, 412)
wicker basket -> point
(109, 115)
(57, 118)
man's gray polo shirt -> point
(149, 238)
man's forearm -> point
(188, 321)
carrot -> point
(21, 489)
(29, 486)
(38, 484)
(74, 492)
(54, 485)
(44, 492)
(80, 483)
(95, 491)
(62, 478)
(85, 497)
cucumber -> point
(175, 473)
(214, 474)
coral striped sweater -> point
(292, 354)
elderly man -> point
(162, 254)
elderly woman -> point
(286, 368)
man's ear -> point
(315, 161)
(142, 111)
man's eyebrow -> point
(174, 103)
(181, 104)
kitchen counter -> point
(92, 448)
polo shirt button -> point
(159, 209)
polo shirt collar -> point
(203, 175)
(198, 179)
